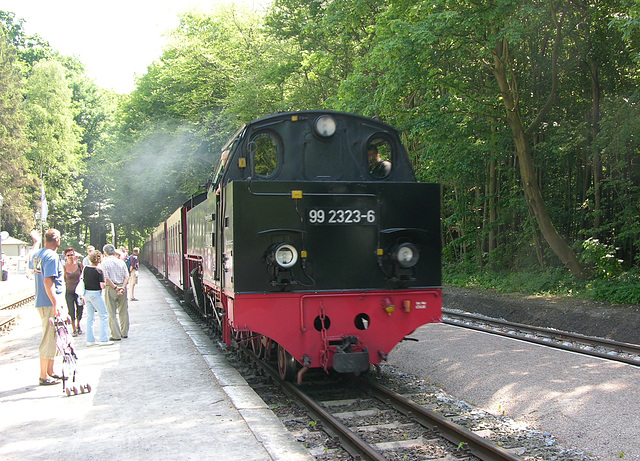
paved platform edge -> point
(264, 424)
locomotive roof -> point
(298, 151)
(287, 115)
(317, 112)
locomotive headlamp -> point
(406, 255)
(325, 126)
(285, 255)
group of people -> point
(106, 277)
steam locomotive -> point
(314, 243)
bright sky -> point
(115, 39)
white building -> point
(15, 254)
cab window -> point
(266, 151)
(379, 157)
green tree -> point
(95, 111)
(17, 216)
(627, 21)
(55, 154)
(503, 69)
(496, 66)
(330, 37)
(30, 48)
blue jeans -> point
(96, 303)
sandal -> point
(48, 382)
(55, 376)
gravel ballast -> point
(586, 403)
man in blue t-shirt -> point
(49, 279)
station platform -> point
(164, 393)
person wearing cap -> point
(116, 278)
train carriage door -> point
(213, 240)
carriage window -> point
(379, 156)
(265, 149)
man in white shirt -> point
(116, 277)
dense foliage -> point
(527, 112)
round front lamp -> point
(325, 126)
(285, 255)
(406, 255)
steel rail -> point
(356, 447)
(15, 304)
(350, 441)
(6, 321)
(550, 334)
(7, 318)
(454, 433)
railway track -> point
(8, 313)
(595, 347)
(372, 422)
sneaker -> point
(89, 344)
(105, 343)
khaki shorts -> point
(48, 344)
(133, 277)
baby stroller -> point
(69, 358)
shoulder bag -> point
(80, 287)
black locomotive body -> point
(315, 239)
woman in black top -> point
(93, 286)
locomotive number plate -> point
(341, 216)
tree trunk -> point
(480, 246)
(493, 213)
(537, 240)
(595, 129)
(532, 190)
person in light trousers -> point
(116, 277)
(93, 286)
